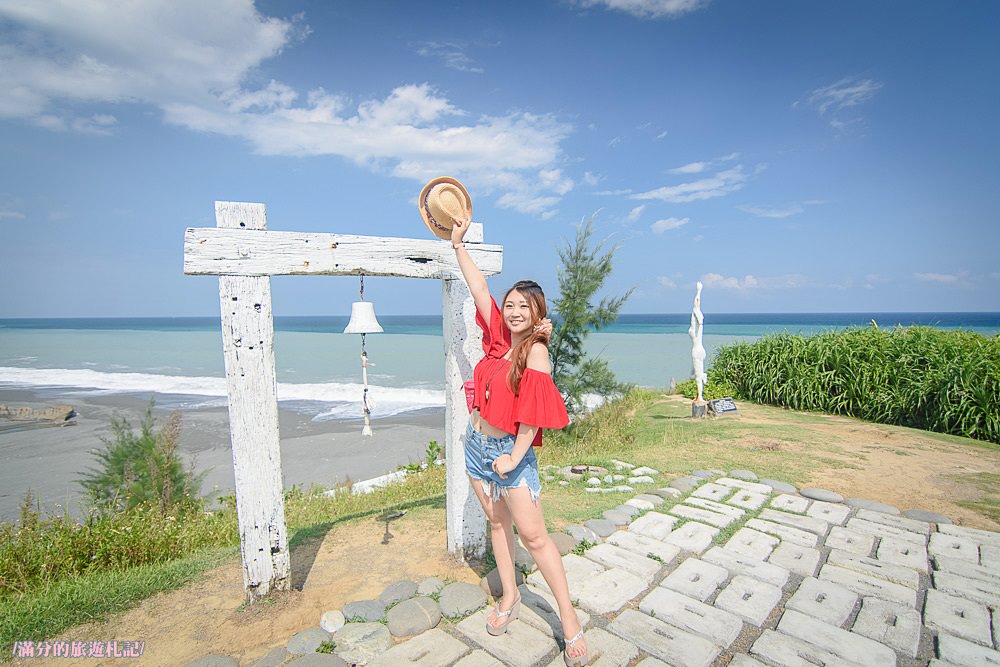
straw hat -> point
(441, 201)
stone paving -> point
(735, 571)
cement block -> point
(713, 491)
(901, 552)
(750, 543)
(746, 485)
(883, 530)
(644, 546)
(578, 570)
(692, 536)
(718, 626)
(974, 534)
(900, 522)
(803, 561)
(951, 546)
(789, 503)
(847, 645)
(652, 662)
(985, 592)
(850, 540)
(521, 646)
(897, 574)
(604, 649)
(956, 616)
(989, 556)
(653, 524)
(777, 648)
(809, 523)
(833, 513)
(890, 624)
(967, 569)
(478, 658)
(608, 591)
(748, 500)
(611, 556)
(750, 599)
(824, 600)
(712, 506)
(639, 503)
(705, 516)
(766, 572)
(681, 648)
(785, 533)
(867, 585)
(541, 611)
(696, 579)
(434, 648)
(961, 652)
(743, 660)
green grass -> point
(989, 504)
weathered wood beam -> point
(248, 252)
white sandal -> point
(578, 661)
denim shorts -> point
(480, 452)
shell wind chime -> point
(363, 322)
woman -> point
(514, 399)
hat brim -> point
(440, 228)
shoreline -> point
(49, 460)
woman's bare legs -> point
(530, 524)
(502, 536)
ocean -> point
(179, 360)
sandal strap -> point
(503, 614)
(578, 637)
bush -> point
(719, 388)
(945, 381)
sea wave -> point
(332, 400)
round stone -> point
(364, 611)
(685, 484)
(397, 592)
(490, 584)
(274, 658)
(564, 543)
(563, 482)
(523, 560)
(651, 498)
(627, 509)
(706, 474)
(871, 505)
(602, 527)
(332, 620)
(430, 586)
(593, 481)
(822, 494)
(667, 493)
(307, 641)
(461, 599)
(581, 534)
(641, 479)
(616, 517)
(411, 617)
(360, 643)
(214, 661)
(747, 475)
(926, 515)
(318, 660)
(780, 487)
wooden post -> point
(248, 347)
(466, 522)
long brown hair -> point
(531, 291)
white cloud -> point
(698, 237)
(764, 212)
(666, 282)
(634, 214)
(848, 92)
(661, 135)
(590, 179)
(653, 9)
(193, 60)
(749, 282)
(452, 53)
(11, 215)
(666, 224)
(723, 183)
(690, 168)
(614, 142)
(943, 278)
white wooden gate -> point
(244, 255)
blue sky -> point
(794, 156)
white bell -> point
(363, 319)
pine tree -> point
(583, 272)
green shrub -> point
(945, 381)
(717, 388)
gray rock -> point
(273, 658)
(602, 527)
(332, 620)
(461, 599)
(616, 517)
(581, 534)
(593, 481)
(666, 494)
(627, 509)
(307, 641)
(318, 660)
(926, 515)
(564, 543)
(707, 474)
(782, 487)
(622, 488)
(397, 592)
(368, 611)
(651, 498)
(684, 484)
(644, 470)
(214, 661)
(822, 494)
(747, 475)
(430, 586)
(563, 482)
(411, 617)
(871, 505)
(641, 479)
(363, 642)
(490, 584)
(523, 560)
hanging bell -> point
(363, 319)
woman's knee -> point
(533, 540)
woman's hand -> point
(544, 327)
(503, 465)
(459, 229)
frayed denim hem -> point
(504, 491)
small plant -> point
(433, 452)
(327, 647)
(583, 546)
(653, 556)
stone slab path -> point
(735, 572)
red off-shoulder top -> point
(538, 402)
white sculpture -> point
(697, 349)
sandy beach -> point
(49, 460)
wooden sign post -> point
(244, 255)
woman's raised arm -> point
(473, 276)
